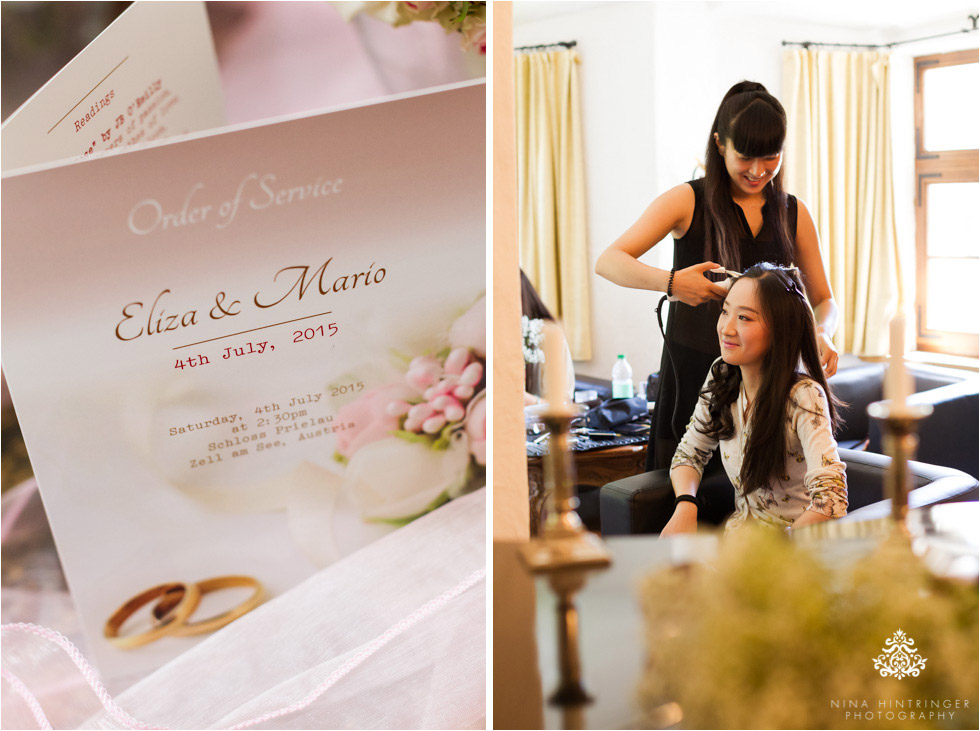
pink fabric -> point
(88, 672)
(29, 698)
(117, 713)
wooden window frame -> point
(937, 167)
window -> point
(947, 138)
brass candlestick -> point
(565, 553)
(900, 426)
(564, 541)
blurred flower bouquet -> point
(415, 443)
(532, 338)
(531, 330)
(770, 636)
(469, 19)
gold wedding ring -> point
(177, 602)
(168, 605)
(189, 595)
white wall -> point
(652, 75)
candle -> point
(897, 386)
(555, 368)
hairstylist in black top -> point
(734, 217)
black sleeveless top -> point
(692, 339)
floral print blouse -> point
(814, 474)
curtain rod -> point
(807, 44)
(564, 44)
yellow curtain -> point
(551, 190)
(839, 162)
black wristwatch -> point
(686, 499)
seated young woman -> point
(767, 406)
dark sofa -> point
(948, 438)
(945, 469)
(644, 503)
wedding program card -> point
(151, 74)
(212, 344)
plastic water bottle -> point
(622, 379)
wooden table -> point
(594, 468)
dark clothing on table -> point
(691, 331)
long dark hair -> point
(754, 122)
(533, 307)
(789, 318)
(531, 303)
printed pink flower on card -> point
(416, 443)
(371, 417)
(476, 428)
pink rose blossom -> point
(474, 35)
(456, 361)
(423, 371)
(370, 417)
(398, 408)
(476, 428)
(434, 424)
(449, 406)
(472, 374)
(444, 386)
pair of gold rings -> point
(177, 602)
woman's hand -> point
(684, 520)
(692, 288)
(828, 353)
(809, 517)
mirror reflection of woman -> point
(734, 217)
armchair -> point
(644, 503)
(950, 436)
(953, 395)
